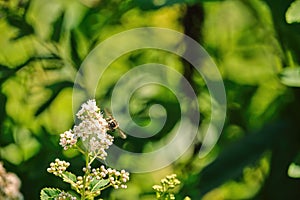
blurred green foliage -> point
(256, 45)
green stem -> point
(68, 180)
(107, 186)
(92, 160)
(290, 59)
(87, 172)
(80, 150)
(103, 188)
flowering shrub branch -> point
(91, 138)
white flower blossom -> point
(67, 139)
(9, 185)
(92, 130)
(98, 145)
(88, 109)
(91, 127)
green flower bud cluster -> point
(118, 178)
(58, 167)
(163, 191)
(65, 196)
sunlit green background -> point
(255, 44)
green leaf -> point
(57, 28)
(74, 49)
(149, 5)
(56, 88)
(232, 160)
(291, 76)
(98, 184)
(69, 177)
(3, 101)
(292, 15)
(20, 23)
(6, 72)
(49, 193)
(294, 171)
(156, 4)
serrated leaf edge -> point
(50, 189)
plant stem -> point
(92, 160)
(80, 150)
(85, 175)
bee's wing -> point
(107, 112)
(122, 134)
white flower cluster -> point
(9, 185)
(67, 139)
(92, 130)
